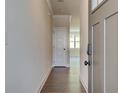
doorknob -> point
(87, 63)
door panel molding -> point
(97, 58)
(105, 48)
(106, 53)
(111, 15)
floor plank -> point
(63, 80)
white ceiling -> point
(67, 7)
(61, 20)
(62, 9)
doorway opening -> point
(66, 42)
(74, 44)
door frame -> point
(67, 64)
(90, 68)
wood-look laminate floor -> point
(63, 80)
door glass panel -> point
(94, 4)
(78, 44)
(71, 37)
(99, 1)
(71, 44)
(77, 38)
(74, 40)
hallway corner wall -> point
(84, 42)
(28, 45)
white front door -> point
(60, 47)
(103, 30)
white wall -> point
(75, 52)
(75, 24)
(28, 45)
(84, 42)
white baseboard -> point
(68, 65)
(45, 77)
(84, 85)
(55, 65)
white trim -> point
(49, 6)
(84, 85)
(104, 55)
(68, 65)
(63, 28)
(66, 16)
(44, 79)
(70, 19)
(92, 62)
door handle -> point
(89, 52)
(64, 48)
(87, 63)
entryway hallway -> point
(38, 33)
